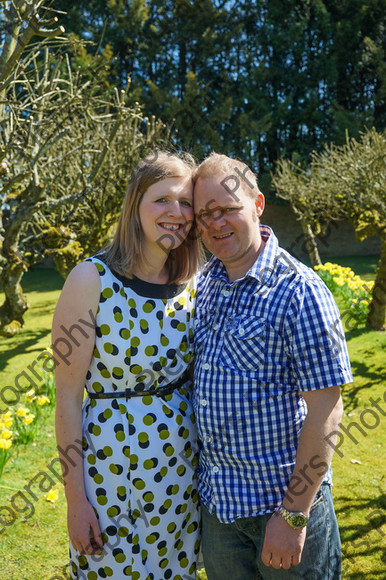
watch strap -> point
(296, 520)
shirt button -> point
(215, 469)
(208, 439)
(206, 366)
(225, 292)
(216, 326)
(241, 331)
(204, 402)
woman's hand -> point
(83, 528)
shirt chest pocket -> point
(245, 344)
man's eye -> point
(231, 209)
(204, 214)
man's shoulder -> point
(299, 273)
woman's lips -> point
(170, 227)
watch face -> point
(298, 521)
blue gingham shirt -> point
(260, 341)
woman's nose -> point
(174, 209)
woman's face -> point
(166, 213)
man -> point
(270, 356)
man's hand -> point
(283, 546)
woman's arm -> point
(78, 301)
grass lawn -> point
(34, 546)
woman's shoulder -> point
(80, 293)
(84, 276)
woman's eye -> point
(161, 200)
(186, 203)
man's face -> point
(228, 224)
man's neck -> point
(239, 271)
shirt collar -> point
(261, 270)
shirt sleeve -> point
(318, 349)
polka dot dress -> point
(140, 454)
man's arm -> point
(283, 545)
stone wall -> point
(339, 239)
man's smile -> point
(222, 236)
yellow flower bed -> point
(355, 292)
(24, 419)
(6, 439)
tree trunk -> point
(15, 303)
(311, 244)
(377, 310)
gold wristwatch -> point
(296, 520)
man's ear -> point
(260, 204)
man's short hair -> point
(219, 164)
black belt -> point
(128, 393)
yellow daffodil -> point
(28, 419)
(6, 434)
(30, 396)
(22, 412)
(339, 281)
(355, 292)
(42, 400)
(5, 443)
(7, 423)
(52, 495)
(7, 415)
(47, 352)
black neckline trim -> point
(144, 288)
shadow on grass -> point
(42, 280)
(46, 311)
(366, 368)
(351, 393)
(357, 331)
(362, 540)
(24, 346)
(370, 547)
(45, 282)
(375, 518)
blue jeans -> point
(233, 551)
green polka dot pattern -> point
(140, 455)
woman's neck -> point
(156, 274)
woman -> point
(132, 497)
